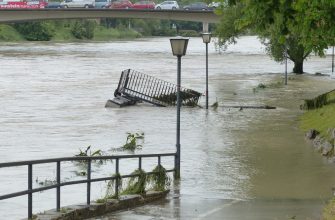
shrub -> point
(84, 29)
(36, 31)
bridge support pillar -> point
(204, 27)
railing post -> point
(140, 163)
(30, 194)
(159, 161)
(117, 178)
(58, 187)
(88, 182)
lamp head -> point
(206, 37)
(179, 46)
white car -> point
(167, 5)
(78, 4)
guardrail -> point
(88, 181)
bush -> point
(36, 31)
(84, 29)
(188, 33)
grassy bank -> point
(64, 33)
(8, 33)
(321, 114)
(329, 211)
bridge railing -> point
(136, 85)
(30, 190)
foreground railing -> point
(30, 191)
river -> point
(52, 104)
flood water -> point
(52, 98)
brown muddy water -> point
(52, 104)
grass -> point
(104, 34)
(329, 211)
(63, 34)
(8, 33)
(319, 119)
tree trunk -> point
(298, 67)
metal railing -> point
(139, 86)
(30, 191)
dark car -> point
(144, 5)
(53, 5)
(196, 6)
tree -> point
(36, 31)
(281, 25)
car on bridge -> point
(121, 4)
(53, 5)
(27, 4)
(197, 6)
(78, 4)
(167, 5)
(144, 5)
(102, 3)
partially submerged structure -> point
(136, 87)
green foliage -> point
(103, 33)
(84, 29)
(262, 86)
(159, 180)
(88, 153)
(82, 164)
(9, 33)
(320, 114)
(228, 30)
(281, 24)
(131, 142)
(189, 33)
(136, 185)
(329, 210)
(36, 31)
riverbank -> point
(65, 34)
(318, 122)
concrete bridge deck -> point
(19, 15)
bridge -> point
(20, 15)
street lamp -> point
(206, 37)
(333, 60)
(179, 47)
(286, 56)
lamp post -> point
(286, 55)
(333, 60)
(206, 38)
(179, 47)
(285, 64)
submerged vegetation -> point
(157, 180)
(132, 141)
(262, 86)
